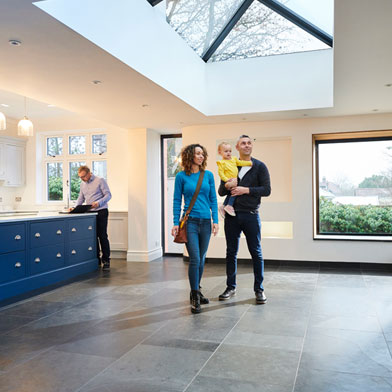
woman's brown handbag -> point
(181, 237)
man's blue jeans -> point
(198, 234)
(249, 223)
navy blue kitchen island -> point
(42, 249)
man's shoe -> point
(106, 266)
(227, 294)
(260, 297)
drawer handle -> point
(58, 255)
(18, 237)
(18, 265)
(37, 259)
(73, 251)
(58, 232)
(37, 235)
(73, 229)
(90, 227)
(90, 248)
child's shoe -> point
(230, 210)
(221, 210)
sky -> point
(354, 161)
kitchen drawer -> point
(47, 233)
(47, 258)
(81, 228)
(12, 266)
(83, 250)
(12, 237)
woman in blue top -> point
(194, 160)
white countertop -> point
(35, 215)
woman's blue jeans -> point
(198, 234)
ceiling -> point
(54, 65)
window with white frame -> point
(64, 154)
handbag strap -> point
(194, 197)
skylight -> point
(221, 30)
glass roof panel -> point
(263, 32)
(319, 13)
(199, 22)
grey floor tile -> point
(97, 342)
(328, 381)
(188, 344)
(215, 384)
(278, 321)
(341, 280)
(34, 308)
(347, 351)
(11, 322)
(343, 301)
(252, 364)
(202, 327)
(152, 366)
(53, 371)
(265, 339)
(351, 322)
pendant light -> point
(3, 122)
(25, 126)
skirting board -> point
(118, 254)
(144, 256)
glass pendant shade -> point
(3, 122)
(25, 127)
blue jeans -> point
(198, 234)
(229, 200)
(249, 223)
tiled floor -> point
(132, 330)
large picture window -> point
(353, 185)
(63, 155)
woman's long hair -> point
(187, 156)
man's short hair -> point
(242, 136)
(84, 168)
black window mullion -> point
(154, 2)
(226, 30)
(298, 20)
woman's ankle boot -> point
(195, 301)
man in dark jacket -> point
(253, 182)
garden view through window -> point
(355, 186)
(64, 155)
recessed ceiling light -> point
(145, 105)
(14, 42)
(5, 105)
(375, 110)
(388, 85)
(243, 118)
(96, 82)
(305, 115)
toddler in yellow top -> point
(227, 168)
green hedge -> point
(349, 219)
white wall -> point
(144, 196)
(299, 210)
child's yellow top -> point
(227, 168)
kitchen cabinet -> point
(38, 251)
(12, 162)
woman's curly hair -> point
(187, 156)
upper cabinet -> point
(12, 162)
